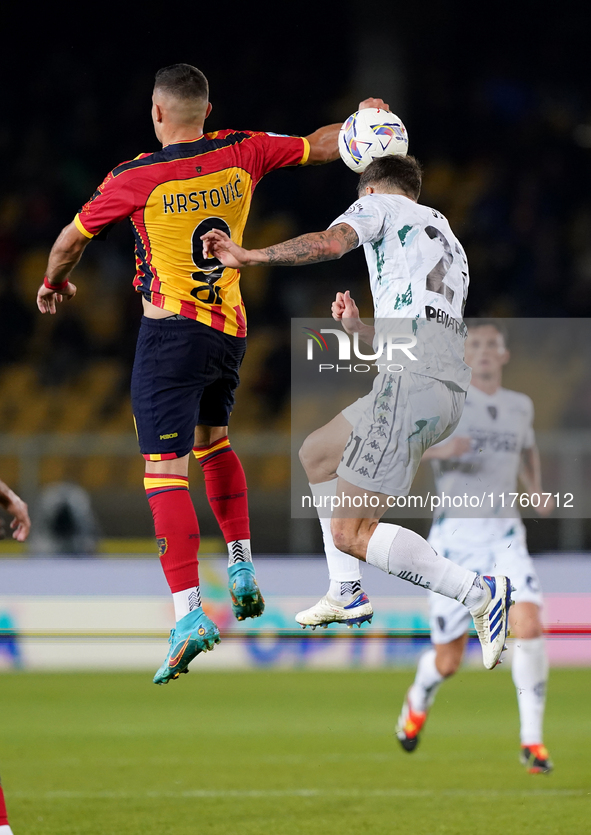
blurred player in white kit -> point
(492, 446)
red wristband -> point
(57, 288)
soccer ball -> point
(370, 134)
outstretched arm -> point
(324, 145)
(307, 249)
(324, 141)
(64, 255)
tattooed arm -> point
(311, 248)
(307, 249)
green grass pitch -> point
(278, 753)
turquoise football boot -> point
(194, 633)
(247, 600)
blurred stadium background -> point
(507, 149)
(498, 109)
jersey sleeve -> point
(272, 151)
(366, 216)
(112, 201)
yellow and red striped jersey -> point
(174, 196)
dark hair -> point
(183, 81)
(472, 324)
(404, 173)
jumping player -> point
(418, 270)
(193, 333)
(491, 447)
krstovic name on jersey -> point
(418, 271)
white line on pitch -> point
(271, 793)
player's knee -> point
(525, 621)
(448, 666)
(449, 657)
(527, 630)
(306, 453)
(205, 435)
(351, 536)
(315, 459)
(343, 535)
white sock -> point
(184, 602)
(5, 829)
(344, 570)
(530, 676)
(426, 684)
(239, 551)
(476, 594)
(404, 553)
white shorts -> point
(402, 416)
(508, 556)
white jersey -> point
(500, 427)
(417, 270)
